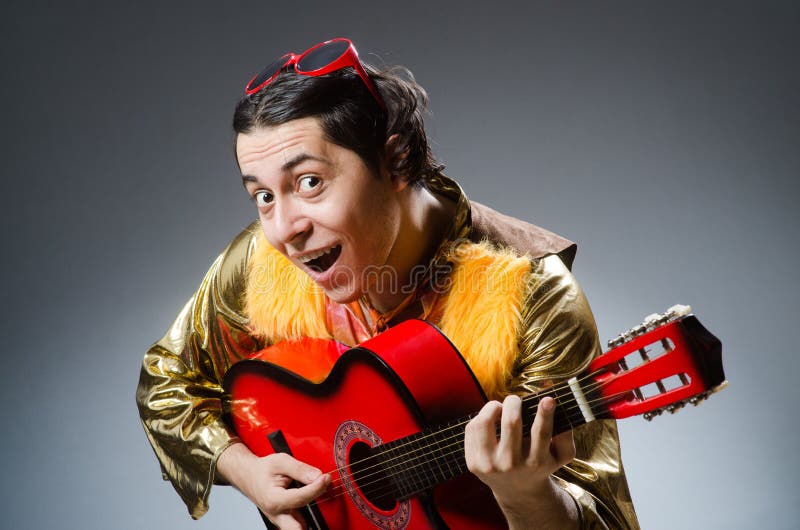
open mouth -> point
(324, 262)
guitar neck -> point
(675, 354)
(419, 462)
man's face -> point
(320, 205)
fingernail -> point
(548, 404)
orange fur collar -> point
(480, 313)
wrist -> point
(231, 463)
(545, 505)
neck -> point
(419, 462)
(424, 221)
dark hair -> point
(349, 115)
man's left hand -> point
(517, 468)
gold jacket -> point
(552, 337)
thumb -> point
(295, 469)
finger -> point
(562, 447)
(509, 449)
(484, 425)
(299, 497)
(542, 432)
(480, 438)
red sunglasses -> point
(324, 58)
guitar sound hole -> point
(371, 478)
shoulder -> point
(523, 237)
(557, 335)
(553, 293)
(230, 270)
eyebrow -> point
(289, 164)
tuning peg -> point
(652, 414)
(722, 386)
(651, 318)
(679, 310)
(699, 398)
(675, 407)
(650, 323)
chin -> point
(343, 296)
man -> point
(336, 160)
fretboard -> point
(419, 462)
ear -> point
(392, 158)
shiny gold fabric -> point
(179, 386)
(558, 340)
(179, 390)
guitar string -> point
(554, 390)
(528, 398)
(459, 443)
(571, 408)
(424, 451)
(453, 455)
(427, 450)
(453, 450)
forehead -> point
(276, 145)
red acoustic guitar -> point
(387, 420)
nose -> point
(290, 222)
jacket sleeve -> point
(179, 393)
(558, 339)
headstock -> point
(664, 363)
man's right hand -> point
(266, 480)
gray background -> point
(661, 136)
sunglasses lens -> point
(322, 56)
(270, 70)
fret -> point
(443, 448)
(428, 460)
(561, 419)
(595, 398)
(405, 462)
(420, 464)
(425, 459)
(438, 442)
(397, 471)
(416, 463)
(567, 414)
(421, 461)
(434, 446)
(456, 450)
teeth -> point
(315, 255)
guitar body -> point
(390, 387)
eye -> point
(308, 183)
(263, 198)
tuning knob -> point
(651, 320)
(650, 323)
(679, 310)
(699, 398)
(652, 414)
(675, 407)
